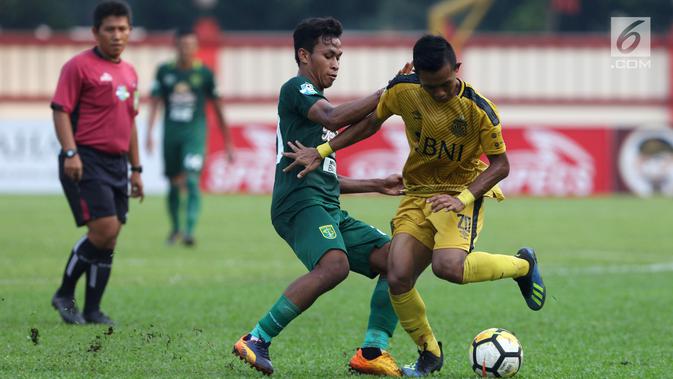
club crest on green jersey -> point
(328, 232)
(195, 80)
(307, 89)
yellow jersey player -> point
(449, 126)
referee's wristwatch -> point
(138, 169)
(70, 153)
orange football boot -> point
(383, 365)
(255, 353)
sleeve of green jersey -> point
(210, 86)
(304, 96)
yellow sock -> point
(480, 267)
(410, 309)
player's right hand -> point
(302, 155)
(72, 168)
(447, 202)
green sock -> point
(382, 317)
(193, 201)
(174, 207)
(278, 317)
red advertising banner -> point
(558, 162)
(544, 161)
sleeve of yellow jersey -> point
(388, 104)
(491, 135)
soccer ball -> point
(496, 353)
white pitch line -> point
(609, 269)
(549, 271)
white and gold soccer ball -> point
(496, 353)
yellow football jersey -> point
(445, 139)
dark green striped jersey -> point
(321, 186)
(184, 94)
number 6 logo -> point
(628, 32)
(630, 36)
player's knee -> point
(378, 260)
(340, 271)
(333, 267)
(399, 282)
(110, 244)
(178, 180)
(103, 241)
(451, 271)
(104, 235)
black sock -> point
(371, 352)
(97, 277)
(75, 267)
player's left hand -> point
(446, 202)
(407, 69)
(392, 185)
(137, 186)
(302, 155)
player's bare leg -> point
(372, 358)
(103, 233)
(407, 260)
(177, 186)
(457, 266)
(331, 270)
(92, 254)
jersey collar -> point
(462, 88)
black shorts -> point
(103, 190)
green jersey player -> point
(306, 213)
(184, 87)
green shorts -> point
(315, 230)
(183, 155)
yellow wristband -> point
(324, 150)
(466, 197)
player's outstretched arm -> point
(497, 170)
(310, 157)
(154, 106)
(336, 117)
(224, 128)
(390, 185)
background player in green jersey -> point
(306, 212)
(183, 87)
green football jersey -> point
(184, 94)
(319, 187)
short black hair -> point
(431, 53)
(308, 31)
(110, 8)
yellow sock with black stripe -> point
(480, 266)
(410, 309)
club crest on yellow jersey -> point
(459, 127)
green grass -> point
(608, 264)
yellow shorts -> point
(439, 230)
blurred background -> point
(584, 111)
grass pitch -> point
(607, 262)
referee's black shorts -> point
(103, 190)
